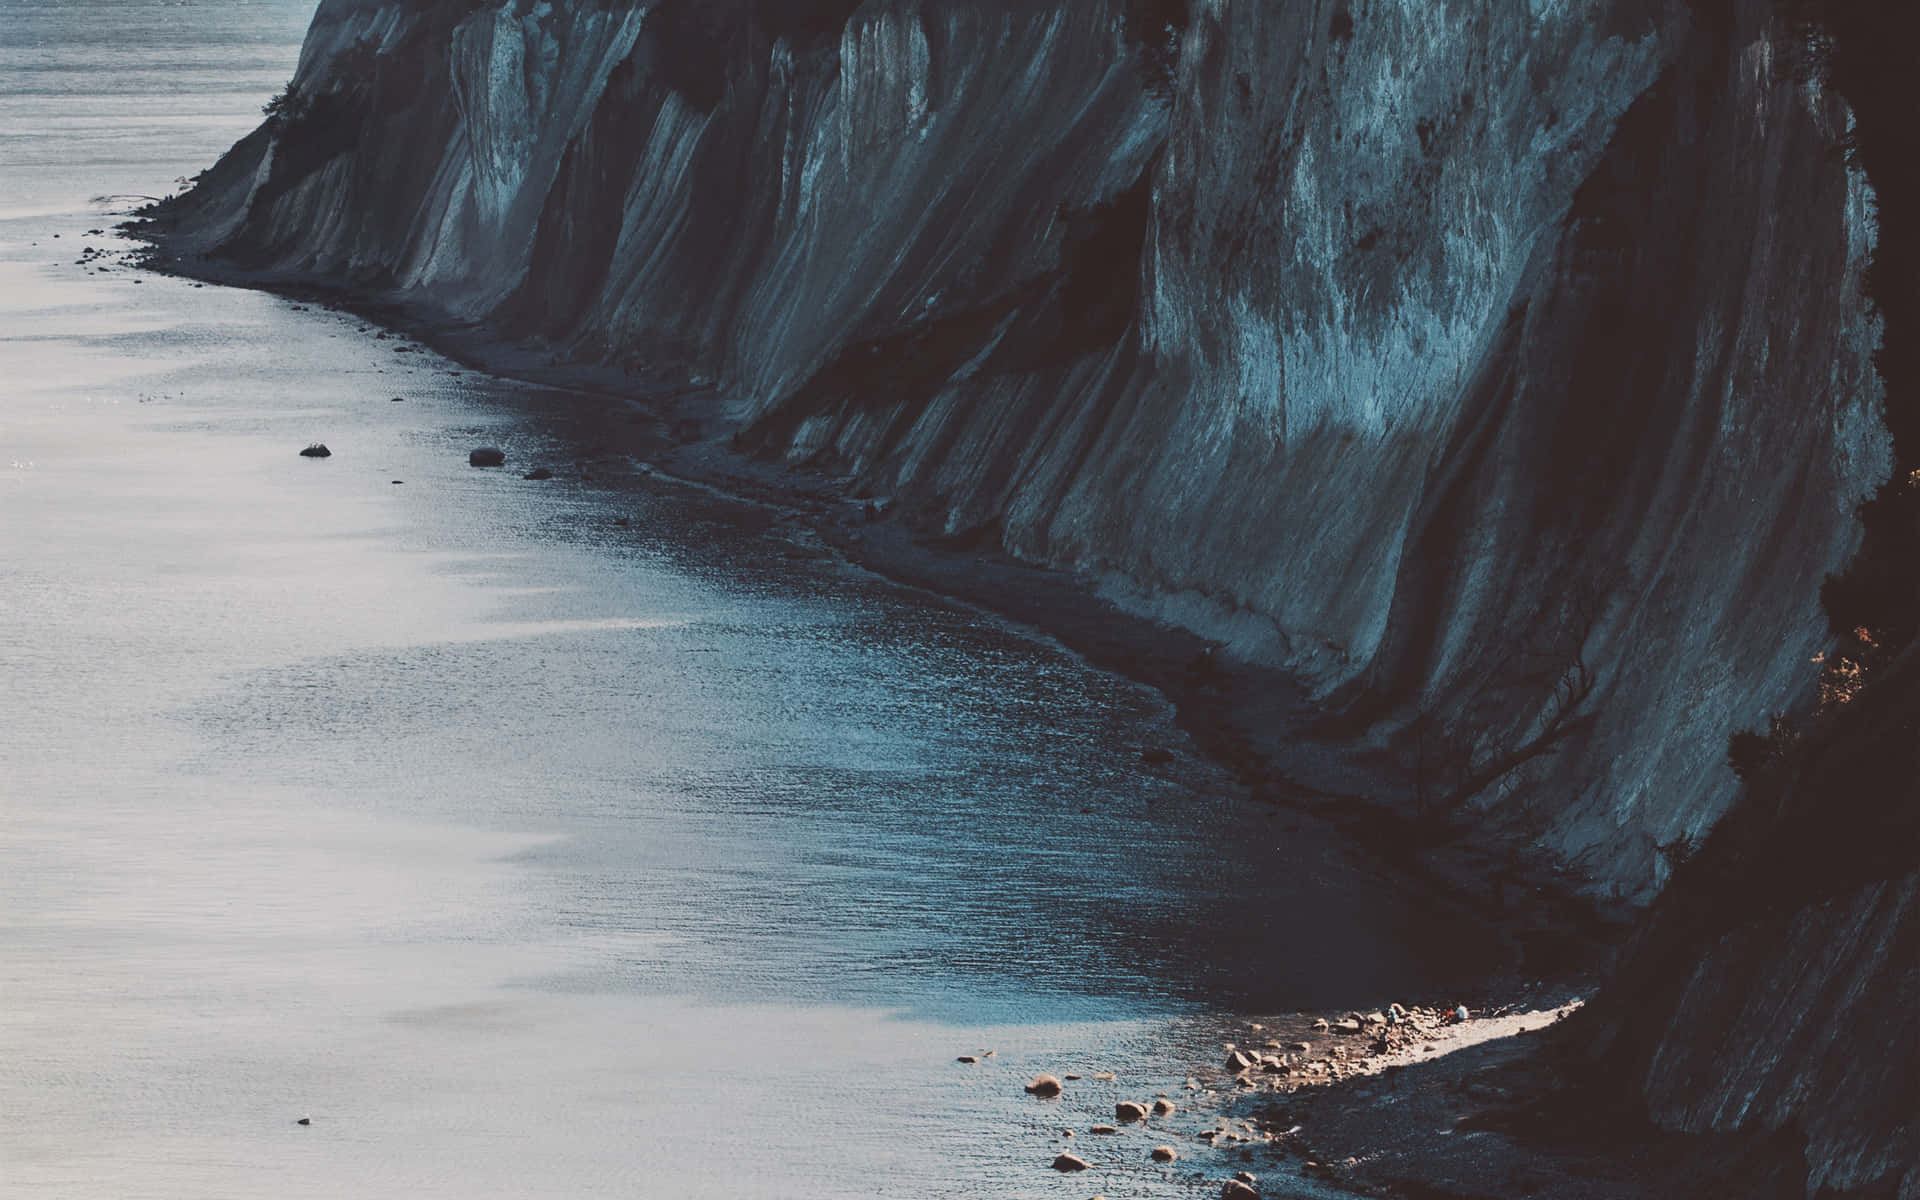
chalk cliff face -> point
(1501, 368)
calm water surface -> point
(537, 839)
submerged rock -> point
(538, 473)
(486, 456)
(1044, 1085)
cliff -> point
(1772, 990)
(1501, 370)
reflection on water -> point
(536, 838)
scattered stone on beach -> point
(1234, 1189)
(317, 450)
(1237, 1062)
(1129, 1110)
(486, 456)
(538, 473)
(1104, 1129)
(1164, 1154)
(967, 1058)
(1070, 1077)
(1347, 1025)
(1044, 1085)
(1106, 1075)
(1301, 1046)
(1070, 1162)
(1320, 1023)
(1374, 1018)
(1162, 1107)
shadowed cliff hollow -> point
(1502, 369)
(1773, 989)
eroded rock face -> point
(1506, 365)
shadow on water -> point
(795, 782)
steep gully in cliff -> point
(1478, 398)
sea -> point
(378, 826)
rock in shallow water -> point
(317, 450)
(1070, 1162)
(486, 456)
(1044, 1085)
(1128, 1110)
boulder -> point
(1128, 1110)
(317, 450)
(486, 456)
(1044, 1085)
(1070, 1162)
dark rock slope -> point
(1502, 369)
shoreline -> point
(1252, 722)
(1322, 1126)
